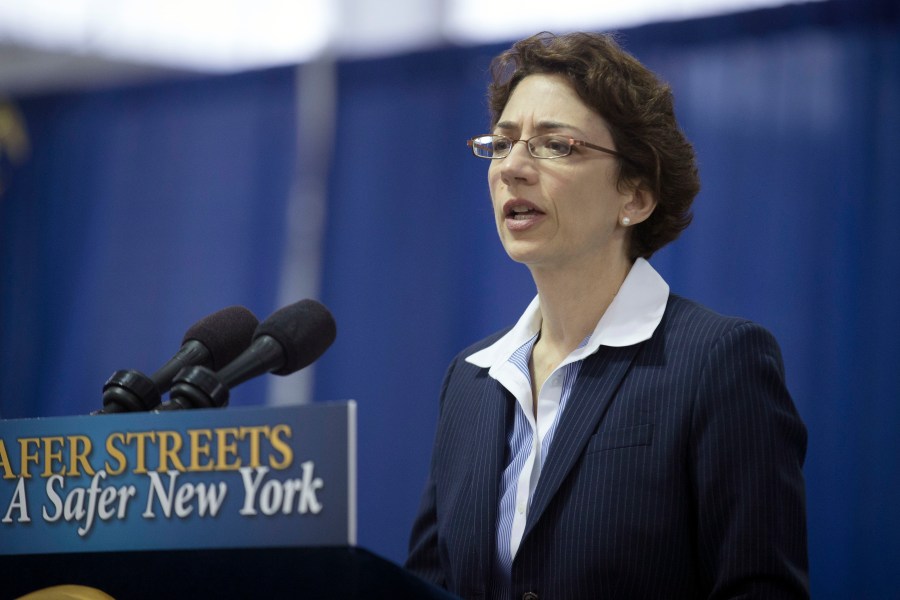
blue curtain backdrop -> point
(144, 209)
(140, 211)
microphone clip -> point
(196, 387)
(129, 391)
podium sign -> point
(216, 478)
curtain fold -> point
(140, 211)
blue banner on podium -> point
(240, 477)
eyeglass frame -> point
(571, 141)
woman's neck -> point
(573, 300)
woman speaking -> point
(618, 441)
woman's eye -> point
(557, 146)
(501, 145)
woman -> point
(618, 441)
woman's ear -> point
(638, 208)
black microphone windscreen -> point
(226, 333)
(304, 329)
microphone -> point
(214, 340)
(292, 338)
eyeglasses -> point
(549, 145)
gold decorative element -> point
(14, 143)
(67, 592)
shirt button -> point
(521, 509)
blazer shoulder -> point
(690, 330)
(459, 368)
(682, 313)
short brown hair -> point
(636, 105)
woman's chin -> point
(528, 254)
(520, 252)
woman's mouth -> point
(521, 214)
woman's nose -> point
(518, 164)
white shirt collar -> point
(631, 318)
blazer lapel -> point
(597, 382)
(488, 462)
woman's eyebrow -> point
(540, 126)
(547, 125)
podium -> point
(235, 503)
(308, 573)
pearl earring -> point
(626, 221)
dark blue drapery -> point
(140, 211)
(143, 209)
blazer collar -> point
(598, 380)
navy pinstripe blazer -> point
(675, 472)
